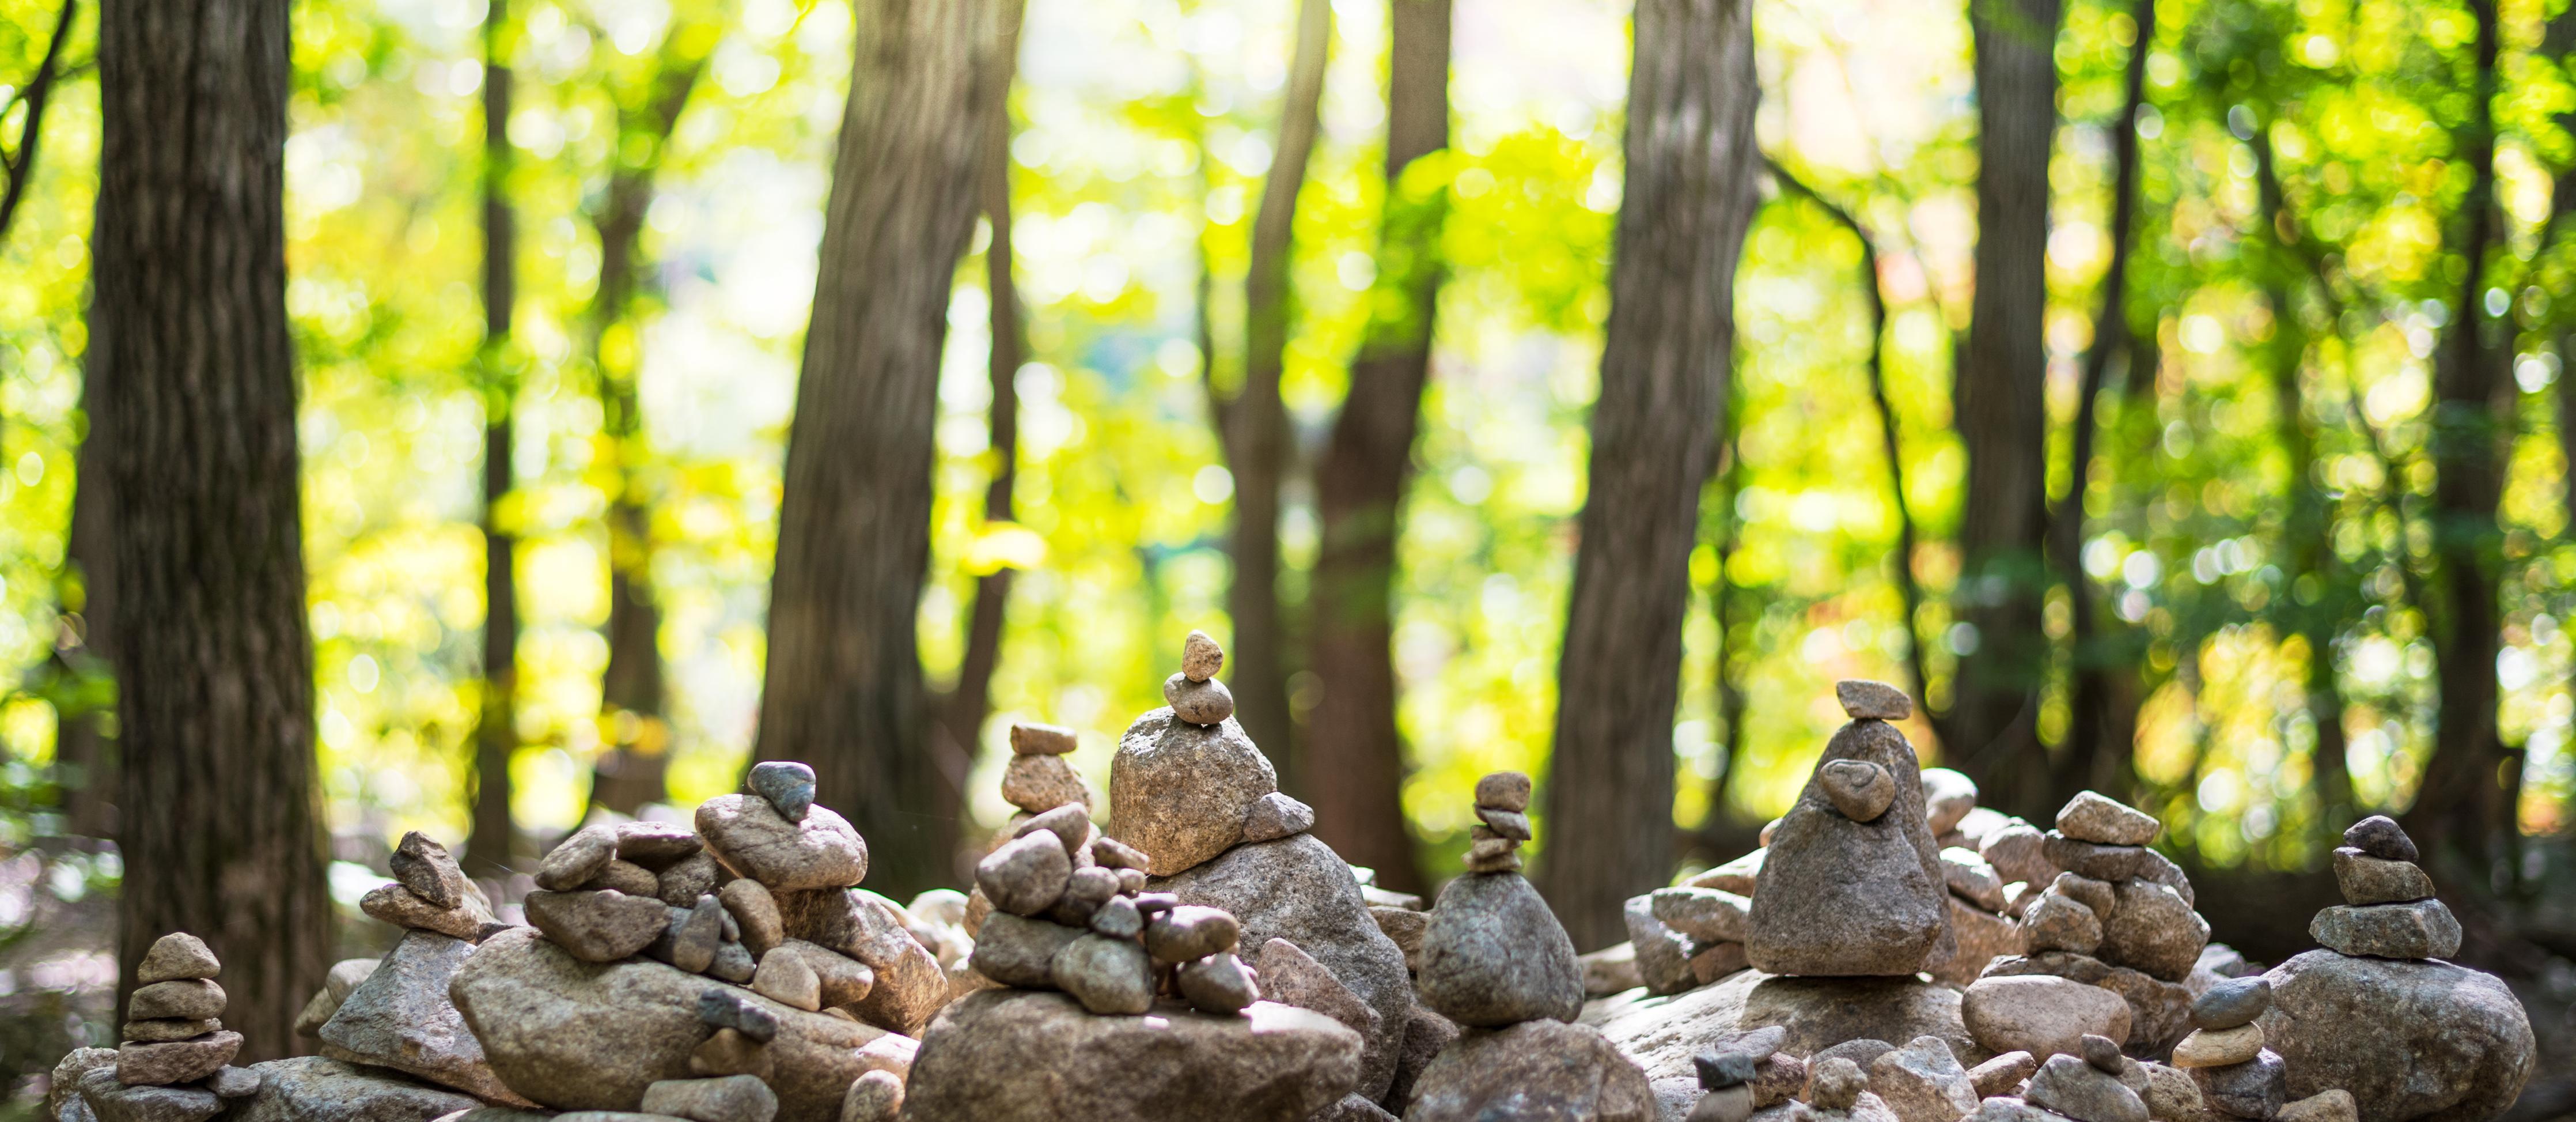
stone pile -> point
(394, 1012)
(2238, 1077)
(2377, 1014)
(173, 1064)
(1495, 960)
(2116, 917)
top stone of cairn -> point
(176, 956)
(1201, 658)
(2380, 837)
(2097, 818)
(1865, 700)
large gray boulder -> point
(1663, 1033)
(1842, 897)
(1033, 1056)
(576, 1035)
(1494, 955)
(315, 1089)
(1179, 791)
(1298, 889)
(2410, 1039)
(1537, 1070)
(400, 1018)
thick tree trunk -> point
(1693, 174)
(1252, 424)
(2001, 415)
(844, 688)
(2461, 806)
(970, 701)
(1354, 753)
(488, 850)
(2091, 757)
(224, 834)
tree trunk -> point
(1252, 424)
(970, 701)
(1693, 172)
(86, 652)
(1354, 753)
(216, 714)
(488, 850)
(2001, 414)
(2460, 806)
(2090, 752)
(631, 771)
(844, 686)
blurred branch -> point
(20, 167)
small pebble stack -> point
(1039, 778)
(1502, 823)
(2237, 1075)
(1067, 912)
(173, 1030)
(2388, 909)
(429, 893)
(1194, 694)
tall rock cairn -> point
(2388, 909)
(1493, 954)
(173, 1030)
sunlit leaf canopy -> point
(1143, 129)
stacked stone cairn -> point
(2377, 1025)
(1495, 960)
(394, 1013)
(2108, 943)
(174, 1062)
(2238, 1077)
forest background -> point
(2168, 393)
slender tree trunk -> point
(496, 730)
(1693, 175)
(17, 169)
(1252, 423)
(632, 692)
(216, 716)
(2001, 414)
(1721, 834)
(970, 701)
(1354, 753)
(844, 688)
(2089, 748)
(2460, 805)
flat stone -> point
(655, 845)
(2231, 1002)
(2381, 837)
(1041, 783)
(1199, 703)
(1736, 876)
(1015, 1056)
(1110, 977)
(1492, 854)
(2002, 1074)
(2254, 1088)
(2219, 1047)
(874, 1097)
(1923, 1082)
(2153, 930)
(2093, 817)
(579, 1036)
(1843, 897)
(1706, 915)
(682, 882)
(113, 1101)
(627, 877)
(1027, 875)
(1219, 984)
(397, 905)
(1274, 816)
(428, 870)
(2325, 1106)
(1539, 1069)
(755, 911)
(2071, 1087)
(178, 998)
(2111, 863)
(179, 1061)
(400, 1018)
(786, 784)
(1753, 1011)
(1725, 1104)
(1510, 824)
(1201, 658)
(1178, 792)
(2365, 879)
(577, 858)
(601, 926)
(1948, 796)
(2041, 1014)
(2424, 929)
(177, 956)
(753, 840)
(842, 980)
(1297, 889)
(160, 1031)
(731, 1098)
(229, 1082)
(1866, 700)
(1030, 739)
(1115, 854)
(1724, 1069)
(2408, 1039)
(1017, 952)
(1189, 932)
(1503, 790)
(733, 964)
(1970, 878)
(314, 1089)
(1859, 789)
(2159, 1011)
(2018, 851)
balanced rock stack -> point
(394, 1012)
(2378, 1014)
(1039, 778)
(174, 1032)
(2238, 1077)
(1495, 960)
(429, 893)
(2107, 943)
(1192, 794)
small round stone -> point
(2380, 837)
(874, 1097)
(787, 784)
(1861, 790)
(2102, 1052)
(1026, 876)
(2219, 1047)
(1835, 1084)
(1038, 784)
(1504, 790)
(1190, 932)
(1070, 823)
(2236, 1001)
(1864, 700)
(1219, 984)
(1199, 703)
(175, 956)
(1118, 918)
(1201, 658)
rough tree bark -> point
(844, 684)
(488, 849)
(1693, 175)
(2091, 756)
(216, 717)
(1353, 752)
(630, 772)
(2461, 807)
(2001, 415)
